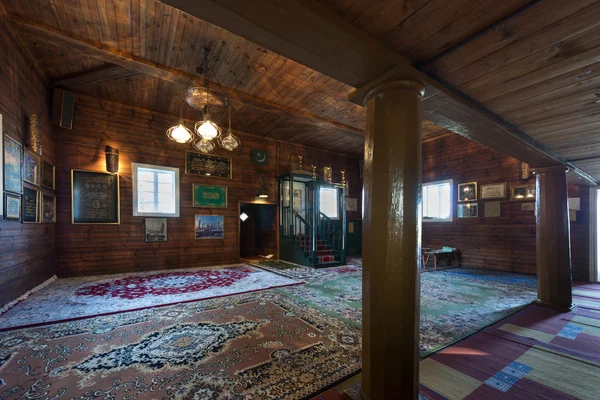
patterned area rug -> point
(67, 299)
(454, 303)
(251, 346)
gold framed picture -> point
(493, 191)
(467, 192)
(522, 192)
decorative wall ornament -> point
(467, 191)
(314, 172)
(13, 155)
(351, 204)
(112, 160)
(35, 134)
(493, 191)
(47, 208)
(492, 209)
(95, 198)
(343, 177)
(327, 174)
(207, 165)
(300, 162)
(209, 227)
(48, 175)
(260, 157)
(468, 210)
(156, 230)
(209, 196)
(12, 207)
(31, 206)
(522, 192)
(32, 164)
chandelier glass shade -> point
(203, 145)
(207, 129)
(179, 133)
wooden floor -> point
(535, 353)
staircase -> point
(325, 254)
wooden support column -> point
(553, 242)
(391, 240)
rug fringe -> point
(4, 309)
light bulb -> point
(207, 129)
(230, 141)
(203, 145)
(243, 216)
(180, 133)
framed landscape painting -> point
(12, 165)
(209, 227)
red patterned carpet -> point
(73, 298)
(253, 346)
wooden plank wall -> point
(580, 235)
(140, 137)
(26, 250)
(506, 243)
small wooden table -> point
(448, 255)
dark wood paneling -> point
(26, 250)
(140, 137)
(506, 243)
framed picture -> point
(48, 175)
(467, 191)
(260, 157)
(207, 165)
(209, 227)
(31, 206)
(493, 191)
(351, 204)
(468, 210)
(156, 230)
(209, 196)
(48, 209)
(12, 207)
(492, 209)
(95, 198)
(31, 168)
(12, 165)
(522, 192)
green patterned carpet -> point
(454, 303)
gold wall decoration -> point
(314, 172)
(327, 174)
(300, 162)
(35, 134)
(343, 176)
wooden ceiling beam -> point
(95, 76)
(139, 65)
(312, 35)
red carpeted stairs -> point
(325, 253)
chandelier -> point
(206, 131)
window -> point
(155, 191)
(437, 201)
(328, 202)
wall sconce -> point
(243, 216)
(112, 160)
(262, 193)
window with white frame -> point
(437, 201)
(328, 202)
(155, 190)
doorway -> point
(258, 231)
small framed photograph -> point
(48, 175)
(522, 192)
(31, 168)
(31, 206)
(351, 204)
(209, 227)
(48, 209)
(492, 209)
(467, 192)
(468, 210)
(12, 207)
(493, 191)
(156, 230)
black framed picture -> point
(207, 165)
(467, 191)
(156, 230)
(95, 198)
(47, 209)
(31, 205)
(31, 167)
(48, 175)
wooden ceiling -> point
(533, 63)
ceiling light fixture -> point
(179, 133)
